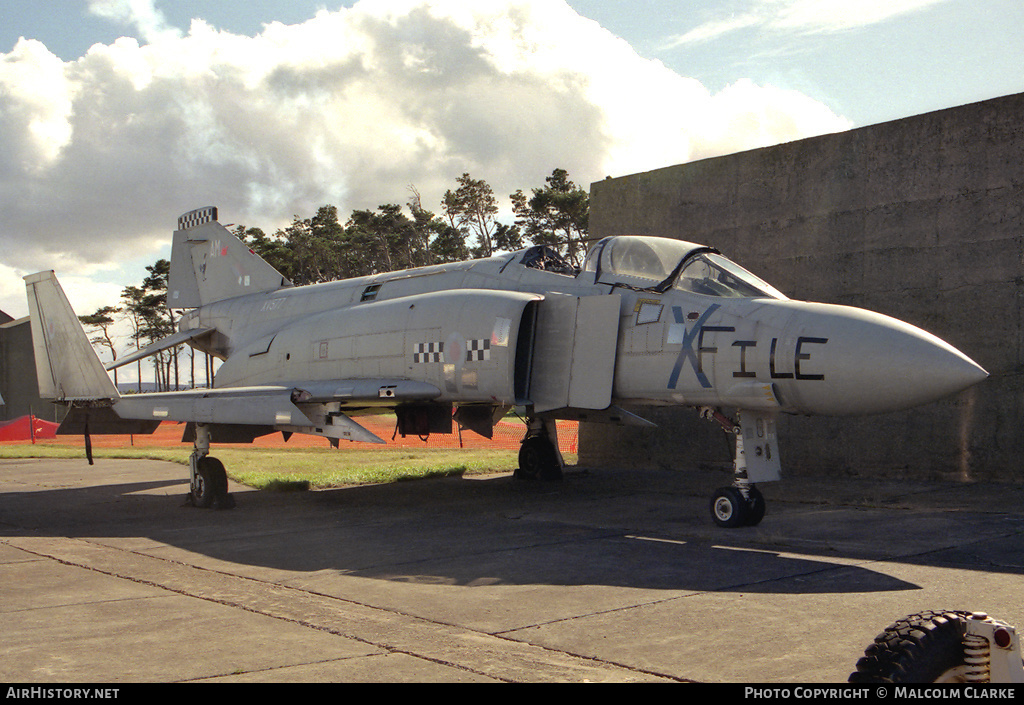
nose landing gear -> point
(742, 504)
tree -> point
(316, 246)
(378, 239)
(274, 249)
(471, 208)
(102, 320)
(151, 319)
(444, 242)
(508, 238)
(320, 249)
(135, 307)
(161, 321)
(389, 239)
(557, 215)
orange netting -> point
(27, 428)
(507, 435)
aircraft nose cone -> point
(873, 363)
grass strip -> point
(306, 468)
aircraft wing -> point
(293, 408)
(258, 406)
(367, 392)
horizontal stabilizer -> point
(101, 420)
(182, 336)
(66, 364)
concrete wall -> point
(18, 385)
(918, 218)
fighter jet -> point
(645, 321)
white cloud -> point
(714, 29)
(12, 292)
(101, 154)
(150, 23)
(802, 16)
(819, 16)
(85, 294)
(37, 100)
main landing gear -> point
(208, 481)
(539, 457)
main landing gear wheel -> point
(538, 460)
(730, 509)
(927, 647)
(210, 487)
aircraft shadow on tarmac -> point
(500, 532)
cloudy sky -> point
(116, 116)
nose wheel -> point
(731, 508)
(756, 460)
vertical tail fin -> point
(66, 364)
(209, 264)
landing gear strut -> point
(208, 481)
(539, 457)
(742, 504)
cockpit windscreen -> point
(712, 274)
(661, 263)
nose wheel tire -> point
(730, 509)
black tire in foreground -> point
(922, 648)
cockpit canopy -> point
(660, 264)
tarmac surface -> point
(609, 576)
